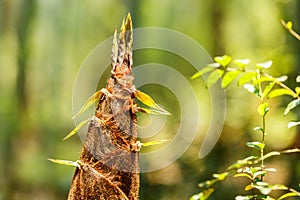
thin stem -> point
(296, 35)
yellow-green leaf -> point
(292, 124)
(65, 162)
(223, 60)
(241, 62)
(263, 109)
(279, 92)
(265, 65)
(76, 129)
(202, 72)
(243, 175)
(155, 142)
(267, 89)
(154, 111)
(246, 77)
(256, 145)
(286, 195)
(89, 102)
(147, 100)
(229, 77)
(214, 77)
(291, 105)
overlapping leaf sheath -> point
(109, 165)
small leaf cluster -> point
(263, 86)
(253, 78)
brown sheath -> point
(109, 163)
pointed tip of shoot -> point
(128, 23)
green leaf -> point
(265, 65)
(208, 183)
(214, 77)
(65, 162)
(298, 79)
(291, 105)
(76, 129)
(279, 187)
(229, 77)
(281, 78)
(267, 89)
(252, 89)
(223, 60)
(221, 176)
(258, 129)
(263, 109)
(243, 197)
(270, 169)
(202, 72)
(91, 100)
(286, 195)
(292, 124)
(203, 195)
(147, 100)
(259, 173)
(240, 163)
(155, 142)
(256, 145)
(272, 153)
(265, 190)
(246, 77)
(249, 187)
(153, 111)
(242, 62)
(243, 175)
(280, 92)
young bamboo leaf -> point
(95, 97)
(223, 60)
(229, 77)
(241, 62)
(256, 145)
(76, 129)
(246, 77)
(265, 65)
(280, 92)
(263, 109)
(291, 105)
(147, 100)
(202, 72)
(65, 162)
(214, 77)
(153, 111)
(292, 124)
(155, 142)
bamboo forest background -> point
(44, 42)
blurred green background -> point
(44, 42)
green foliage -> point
(264, 86)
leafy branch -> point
(264, 87)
